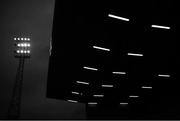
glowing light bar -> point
(145, 87)
(89, 68)
(119, 72)
(101, 48)
(92, 103)
(161, 27)
(133, 54)
(23, 45)
(73, 101)
(161, 75)
(23, 51)
(123, 103)
(107, 85)
(133, 96)
(23, 39)
(80, 82)
(118, 17)
(77, 93)
(98, 95)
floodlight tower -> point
(22, 52)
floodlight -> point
(77, 93)
(80, 82)
(92, 103)
(134, 54)
(28, 51)
(89, 68)
(123, 103)
(107, 85)
(118, 17)
(20, 51)
(119, 72)
(73, 101)
(25, 45)
(160, 27)
(101, 48)
(133, 96)
(163, 75)
(146, 87)
(98, 95)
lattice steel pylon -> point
(14, 109)
(22, 52)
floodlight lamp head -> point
(22, 47)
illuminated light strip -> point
(24, 45)
(161, 27)
(133, 96)
(144, 87)
(133, 54)
(89, 68)
(23, 51)
(73, 101)
(26, 39)
(75, 93)
(123, 103)
(98, 95)
(101, 48)
(80, 82)
(119, 72)
(161, 75)
(92, 103)
(118, 17)
(107, 85)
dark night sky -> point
(30, 18)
